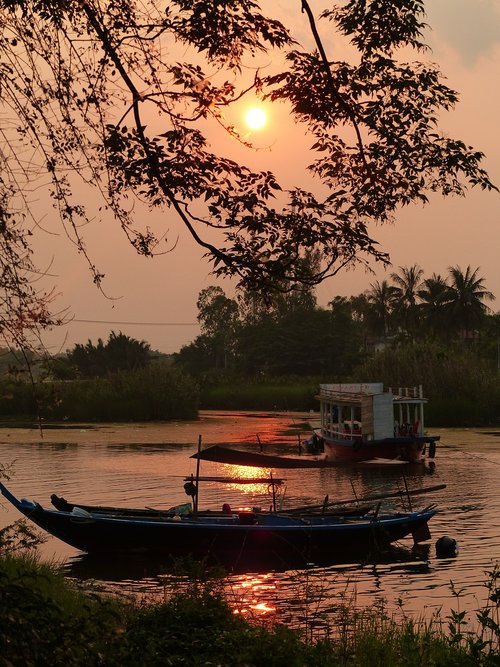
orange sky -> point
(465, 42)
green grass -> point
(293, 396)
(47, 622)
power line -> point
(142, 324)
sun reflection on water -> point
(247, 595)
(248, 495)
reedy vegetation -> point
(156, 392)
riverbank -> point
(214, 426)
(153, 395)
(46, 620)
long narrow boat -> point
(362, 422)
(304, 537)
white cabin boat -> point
(362, 421)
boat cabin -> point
(365, 411)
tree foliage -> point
(119, 98)
(467, 296)
(119, 353)
(296, 337)
(218, 317)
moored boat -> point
(303, 536)
(362, 421)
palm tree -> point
(380, 298)
(406, 285)
(466, 308)
(435, 296)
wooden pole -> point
(274, 492)
(407, 493)
(197, 477)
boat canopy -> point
(367, 411)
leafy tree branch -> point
(99, 95)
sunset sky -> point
(161, 293)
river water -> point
(144, 465)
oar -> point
(379, 496)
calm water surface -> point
(144, 465)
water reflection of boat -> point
(361, 422)
(227, 536)
(146, 567)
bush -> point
(47, 622)
(157, 392)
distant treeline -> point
(289, 334)
(407, 331)
(272, 354)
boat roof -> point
(325, 395)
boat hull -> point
(348, 450)
(301, 538)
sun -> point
(256, 118)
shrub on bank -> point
(46, 620)
(156, 392)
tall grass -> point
(462, 389)
(45, 621)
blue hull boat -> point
(307, 536)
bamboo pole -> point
(380, 496)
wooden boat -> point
(220, 454)
(190, 487)
(341, 508)
(302, 536)
(361, 422)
